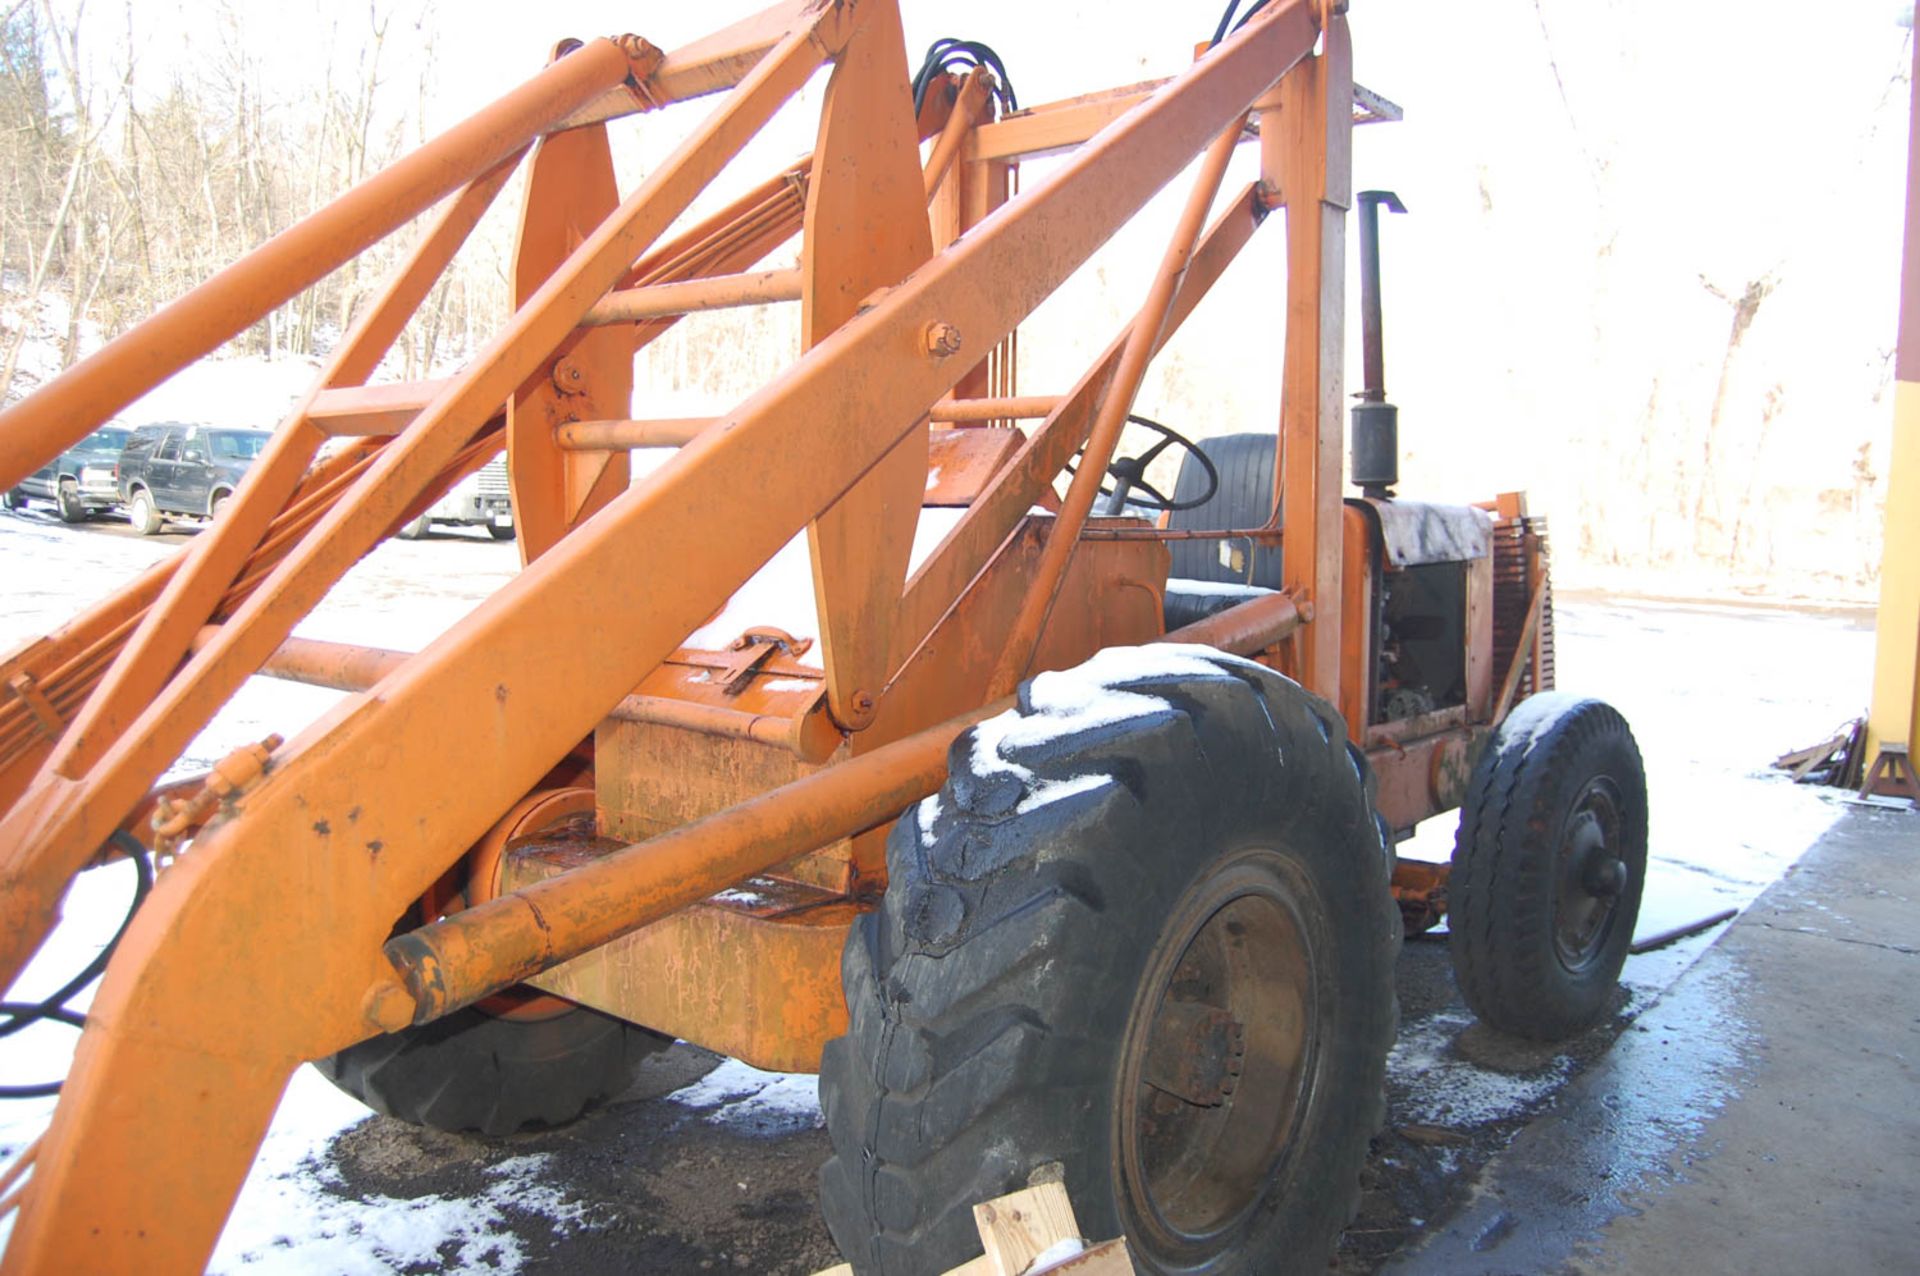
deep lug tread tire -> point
(472, 1071)
(1503, 886)
(990, 993)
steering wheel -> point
(1129, 474)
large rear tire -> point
(1144, 933)
(477, 1071)
(1548, 867)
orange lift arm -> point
(264, 945)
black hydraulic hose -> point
(53, 1009)
(946, 53)
(1226, 20)
(1248, 15)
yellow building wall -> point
(1896, 668)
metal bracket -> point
(48, 717)
(755, 648)
(174, 818)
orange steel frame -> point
(267, 943)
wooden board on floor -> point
(1017, 1228)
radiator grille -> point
(493, 477)
(1518, 543)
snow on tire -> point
(1144, 928)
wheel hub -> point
(1197, 1055)
(1593, 876)
(1219, 1065)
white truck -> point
(479, 500)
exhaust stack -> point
(1376, 423)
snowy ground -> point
(1713, 693)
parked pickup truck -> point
(479, 500)
(79, 481)
(175, 470)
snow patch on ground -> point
(1445, 1090)
(781, 594)
(298, 1222)
(230, 391)
(744, 1098)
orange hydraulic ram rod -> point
(67, 408)
(457, 961)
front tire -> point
(414, 530)
(1144, 932)
(142, 512)
(1548, 867)
(15, 499)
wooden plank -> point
(1017, 1227)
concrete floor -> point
(1760, 1117)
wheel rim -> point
(1592, 876)
(1220, 1060)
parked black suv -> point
(79, 481)
(183, 469)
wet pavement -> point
(1758, 1117)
